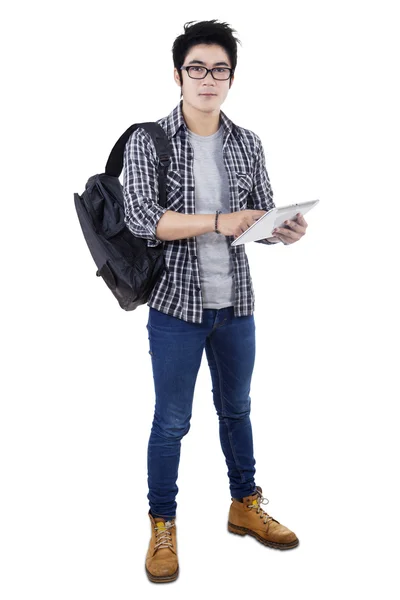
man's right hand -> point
(236, 223)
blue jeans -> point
(176, 349)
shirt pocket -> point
(245, 186)
(174, 191)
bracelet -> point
(217, 212)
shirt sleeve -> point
(140, 187)
(261, 196)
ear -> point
(176, 77)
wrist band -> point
(217, 212)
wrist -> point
(217, 221)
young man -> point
(217, 186)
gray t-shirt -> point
(211, 194)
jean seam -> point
(223, 413)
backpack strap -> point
(115, 162)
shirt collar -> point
(175, 121)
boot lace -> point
(163, 536)
(263, 515)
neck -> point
(200, 122)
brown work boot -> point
(248, 517)
(162, 557)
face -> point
(194, 90)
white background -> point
(318, 82)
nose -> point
(209, 77)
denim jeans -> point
(176, 349)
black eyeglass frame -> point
(207, 72)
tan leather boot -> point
(248, 517)
(162, 557)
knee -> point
(234, 416)
(171, 429)
(236, 411)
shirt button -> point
(199, 289)
(194, 257)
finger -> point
(301, 220)
(284, 239)
(294, 226)
(287, 235)
(280, 231)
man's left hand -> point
(294, 232)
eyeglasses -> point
(220, 73)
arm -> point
(140, 188)
(144, 217)
(261, 196)
(178, 226)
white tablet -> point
(264, 226)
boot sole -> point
(244, 531)
(162, 578)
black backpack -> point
(128, 266)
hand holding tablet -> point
(275, 218)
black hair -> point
(205, 32)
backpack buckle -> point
(164, 159)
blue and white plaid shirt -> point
(178, 291)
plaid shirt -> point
(178, 291)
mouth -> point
(208, 94)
